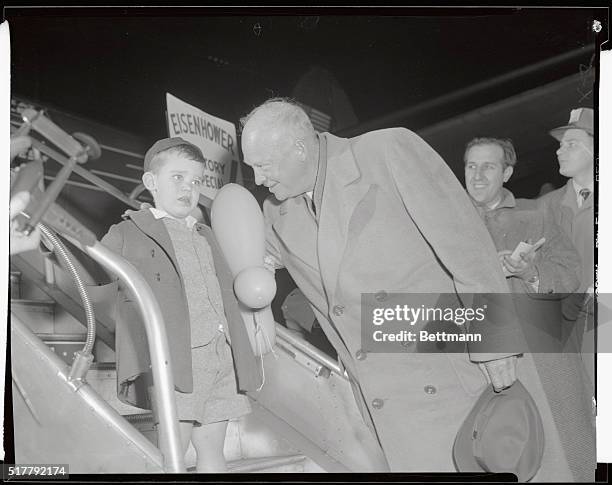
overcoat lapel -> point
(343, 190)
(156, 230)
(297, 229)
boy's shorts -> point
(215, 395)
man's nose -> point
(478, 174)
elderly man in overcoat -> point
(382, 214)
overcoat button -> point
(430, 389)
(378, 403)
(360, 355)
(157, 276)
(381, 296)
(152, 253)
(338, 310)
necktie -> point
(584, 193)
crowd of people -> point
(356, 222)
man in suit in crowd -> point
(540, 280)
(571, 206)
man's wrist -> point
(534, 278)
(531, 275)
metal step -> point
(272, 464)
(45, 306)
(144, 423)
(102, 378)
(67, 303)
(15, 282)
(56, 423)
(269, 464)
(64, 345)
(38, 314)
(291, 463)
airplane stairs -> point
(304, 419)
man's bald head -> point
(279, 115)
(281, 145)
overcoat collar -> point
(344, 189)
(507, 202)
(156, 230)
(339, 190)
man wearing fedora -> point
(571, 206)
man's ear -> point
(300, 149)
(149, 181)
(508, 171)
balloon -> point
(238, 225)
(255, 287)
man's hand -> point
(500, 256)
(270, 263)
(524, 268)
(501, 373)
(19, 242)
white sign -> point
(214, 136)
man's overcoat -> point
(390, 216)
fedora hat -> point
(580, 119)
(502, 434)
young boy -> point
(181, 261)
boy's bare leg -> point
(208, 441)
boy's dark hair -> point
(168, 146)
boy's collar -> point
(190, 221)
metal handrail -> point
(92, 399)
(56, 217)
(158, 349)
(310, 350)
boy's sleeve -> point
(113, 240)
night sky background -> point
(115, 65)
